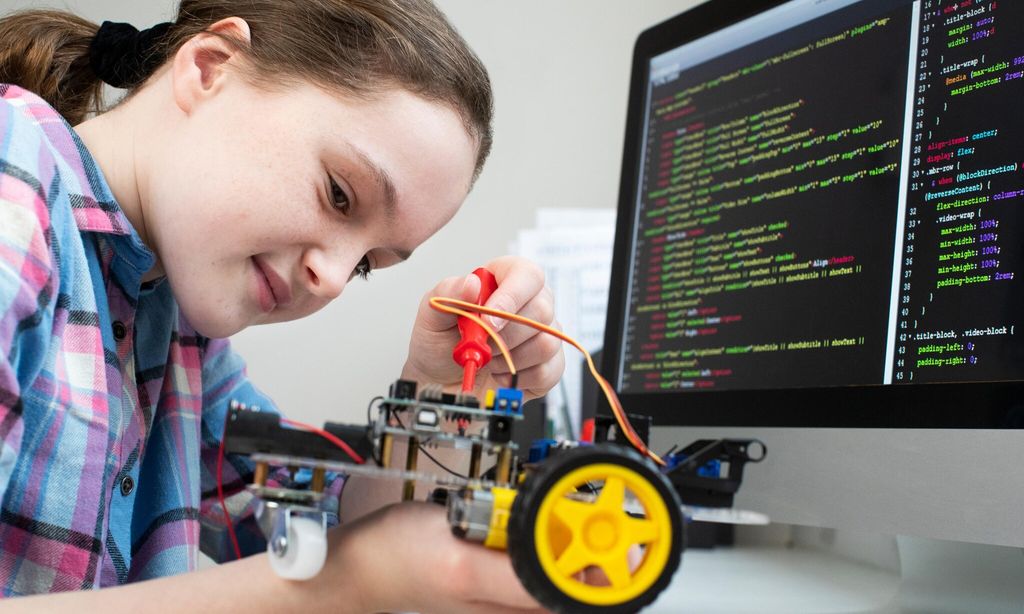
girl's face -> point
(262, 206)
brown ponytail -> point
(47, 52)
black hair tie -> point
(123, 56)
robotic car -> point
(564, 510)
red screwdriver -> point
(474, 352)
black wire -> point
(431, 457)
(441, 465)
(369, 408)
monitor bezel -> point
(953, 405)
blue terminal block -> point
(540, 448)
(710, 469)
(508, 401)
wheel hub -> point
(600, 533)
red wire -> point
(220, 495)
(329, 437)
(220, 471)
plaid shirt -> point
(111, 405)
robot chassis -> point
(564, 508)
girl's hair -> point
(357, 47)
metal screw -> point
(279, 546)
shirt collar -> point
(92, 202)
(93, 205)
(96, 210)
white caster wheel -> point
(299, 552)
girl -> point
(268, 151)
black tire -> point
(522, 519)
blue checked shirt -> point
(111, 405)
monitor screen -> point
(821, 218)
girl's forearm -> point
(246, 586)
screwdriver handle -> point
(473, 352)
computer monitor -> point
(820, 243)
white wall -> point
(560, 71)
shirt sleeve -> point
(224, 380)
(26, 294)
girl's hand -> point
(406, 559)
(538, 357)
(403, 558)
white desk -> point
(935, 577)
(770, 580)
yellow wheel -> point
(596, 529)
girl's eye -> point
(363, 269)
(339, 199)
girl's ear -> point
(199, 68)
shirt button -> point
(120, 331)
(127, 485)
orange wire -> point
(444, 304)
(437, 303)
